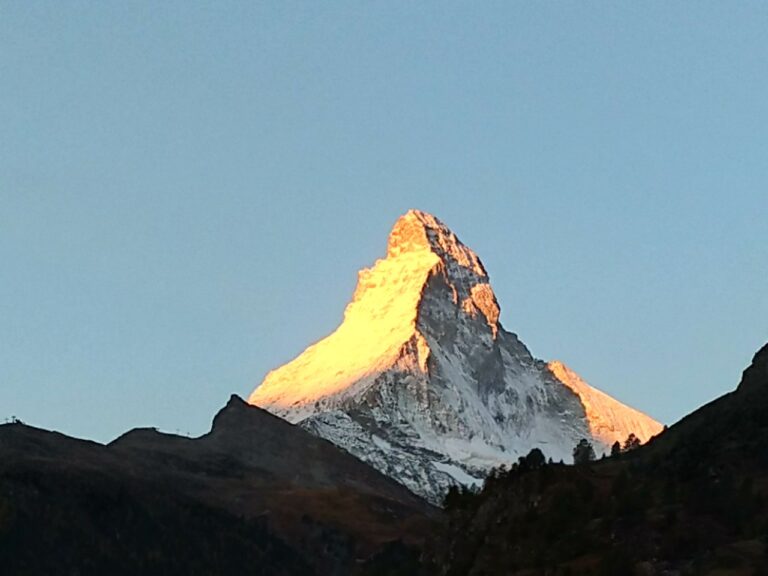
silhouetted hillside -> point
(692, 501)
(259, 496)
(254, 496)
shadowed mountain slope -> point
(692, 501)
(256, 495)
(423, 382)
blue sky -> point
(188, 189)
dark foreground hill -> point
(254, 496)
(694, 501)
(259, 496)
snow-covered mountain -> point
(422, 381)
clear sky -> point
(188, 189)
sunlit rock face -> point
(609, 420)
(423, 382)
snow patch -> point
(458, 474)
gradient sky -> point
(188, 189)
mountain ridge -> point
(422, 381)
(253, 489)
(693, 500)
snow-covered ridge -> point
(609, 420)
(423, 382)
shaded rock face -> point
(255, 495)
(694, 500)
(422, 381)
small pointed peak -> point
(409, 234)
(417, 231)
(235, 401)
(231, 409)
(425, 217)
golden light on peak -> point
(380, 320)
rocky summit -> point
(421, 380)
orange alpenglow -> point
(609, 420)
(422, 381)
(379, 323)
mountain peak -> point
(410, 233)
(380, 327)
(421, 380)
(418, 231)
